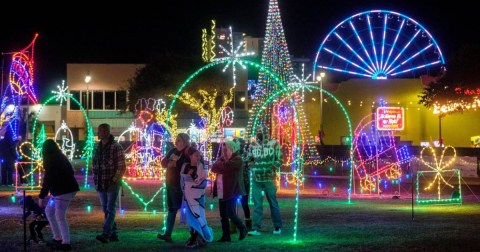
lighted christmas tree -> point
(276, 58)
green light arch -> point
(89, 140)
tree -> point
(165, 72)
(162, 75)
(458, 87)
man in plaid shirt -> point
(108, 169)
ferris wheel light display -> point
(379, 44)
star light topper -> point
(62, 93)
(233, 57)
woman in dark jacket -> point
(59, 180)
(228, 187)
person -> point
(194, 182)
(8, 156)
(228, 187)
(109, 166)
(243, 152)
(173, 162)
(60, 181)
(39, 219)
(267, 158)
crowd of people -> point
(185, 185)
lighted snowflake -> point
(233, 57)
(303, 82)
(62, 94)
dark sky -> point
(89, 33)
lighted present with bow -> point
(440, 184)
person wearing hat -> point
(173, 163)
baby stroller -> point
(39, 219)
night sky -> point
(88, 33)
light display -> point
(21, 81)
(208, 44)
(68, 144)
(234, 55)
(438, 171)
(378, 44)
(144, 155)
(21, 74)
(62, 95)
(210, 114)
(377, 158)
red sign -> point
(390, 118)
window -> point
(121, 99)
(98, 100)
(109, 100)
(73, 104)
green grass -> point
(324, 225)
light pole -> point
(320, 81)
(88, 78)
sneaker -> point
(114, 238)
(254, 233)
(102, 238)
(277, 231)
(166, 238)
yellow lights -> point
(439, 167)
(242, 99)
(455, 106)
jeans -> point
(109, 199)
(174, 202)
(271, 192)
(227, 211)
(56, 215)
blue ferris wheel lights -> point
(373, 43)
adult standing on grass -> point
(267, 158)
(173, 162)
(59, 180)
(108, 169)
(229, 185)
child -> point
(39, 219)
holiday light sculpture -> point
(439, 168)
(379, 44)
(147, 136)
(377, 156)
(59, 96)
(208, 44)
(21, 74)
(233, 55)
(303, 82)
(21, 81)
(68, 144)
(208, 111)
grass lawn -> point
(324, 224)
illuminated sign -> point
(390, 118)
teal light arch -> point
(247, 63)
(90, 137)
(293, 88)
